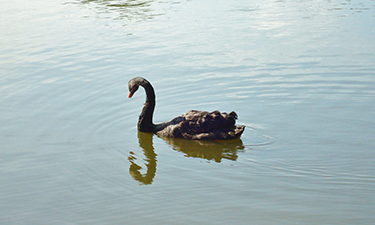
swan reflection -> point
(145, 142)
(209, 150)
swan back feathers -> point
(202, 125)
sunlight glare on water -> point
(299, 74)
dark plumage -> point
(198, 125)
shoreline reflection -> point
(209, 150)
(132, 10)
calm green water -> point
(300, 75)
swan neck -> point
(145, 123)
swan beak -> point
(130, 95)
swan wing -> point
(202, 125)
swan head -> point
(133, 85)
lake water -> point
(300, 75)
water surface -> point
(299, 74)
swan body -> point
(198, 125)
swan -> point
(197, 125)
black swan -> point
(198, 125)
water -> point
(299, 74)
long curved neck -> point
(145, 123)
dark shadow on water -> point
(208, 150)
